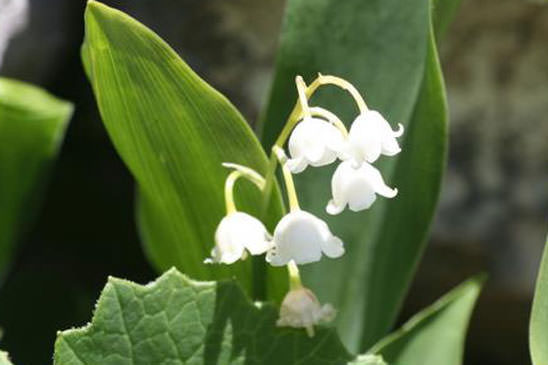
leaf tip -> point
(96, 8)
(479, 279)
(92, 4)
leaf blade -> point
(32, 126)
(173, 131)
(443, 13)
(435, 335)
(180, 320)
(538, 327)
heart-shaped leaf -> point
(386, 49)
(175, 320)
(173, 131)
(538, 330)
(32, 126)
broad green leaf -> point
(436, 335)
(386, 49)
(538, 330)
(173, 131)
(32, 126)
(4, 358)
(175, 320)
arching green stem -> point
(239, 171)
(288, 178)
(303, 100)
(297, 112)
(343, 84)
(330, 117)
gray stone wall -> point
(495, 194)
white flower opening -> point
(356, 187)
(303, 238)
(314, 142)
(370, 136)
(237, 233)
(301, 309)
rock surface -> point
(496, 189)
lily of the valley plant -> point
(317, 137)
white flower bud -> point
(356, 187)
(370, 136)
(301, 309)
(302, 237)
(313, 142)
(236, 233)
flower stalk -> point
(239, 171)
(345, 85)
(294, 276)
(330, 117)
(229, 191)
(303, 100)
(298, 113)
(288, 178)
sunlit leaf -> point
(173, 131)
(538, 330)
(32, 126)
(386, 49)
(175, 320)
(436, 335)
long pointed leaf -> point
(32, 126)
(443, 13)
(173, 131)
(538, 331)
(436, 335)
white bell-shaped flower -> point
(356, 187)
(370, 136)
(314, 142)
(301, 309)
(236, 233)
(302, 237)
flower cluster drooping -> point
(316, 137)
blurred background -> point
(494, 205)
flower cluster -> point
(317, 137)
(318, 142)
